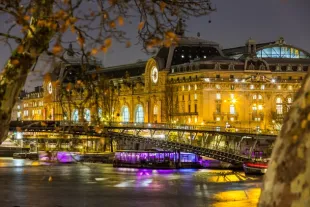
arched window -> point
(281, 52)
(125, 114)
(75, 115)
(260, 97)
(100, 116)
(232, 109)
(289, 100)
(279, 100)
(139, 114)
(289, 103)
(254, 97)
(279, 106)
(87, 115)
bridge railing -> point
(189, 127)
(136, 125)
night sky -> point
(232, 24)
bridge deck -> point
(213, 152)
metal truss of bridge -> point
(207, 141)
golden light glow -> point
(238, 198)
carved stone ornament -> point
(262, 67)
(217, 66)
(289, 67)
(231, 66)
(299, 68)
(251, 67)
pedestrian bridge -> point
(202, 140)
(52, 125)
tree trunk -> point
(287, 182)
(18, 66)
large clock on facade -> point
(154, 74)
(50, 88)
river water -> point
(28, 183)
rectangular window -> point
(189, 108)
(279, 109)
(290, 77)
(195, 96)
(262, 87)
(182, 97)
(218, 76)
(232, 109)
(195, 108)
(218, 96)
(232, 76)
(189, 97)
(218, 108)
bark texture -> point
(18, 66)
(286, 183)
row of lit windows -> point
(253, 77)
(255, 97)
(75, 115)
(139, 113)
(33, 104)
(189, 87)
(262, 87)
(189, 97)
(34, 112)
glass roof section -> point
(281, 52)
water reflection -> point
(223, 176)
(189, 187)
(240, 198)
(9, 162)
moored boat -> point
(255, 167)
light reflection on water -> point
(222, 188)
(239, 198)
(9, 162)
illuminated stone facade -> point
(195, 82)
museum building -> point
(194, 82)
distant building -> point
(17, 111)
(194, 82)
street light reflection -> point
(240, 198)
(216, 176)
